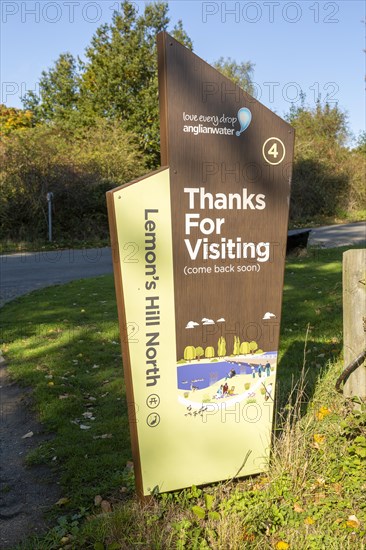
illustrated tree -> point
(253, 346)
(199, 352)
(189, 353)
(209, 352)
(236, 348)
(244, 348)
(221, 347)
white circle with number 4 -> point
(273, 150)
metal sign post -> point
(49, 201)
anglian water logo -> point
(217, 124)
(244, 118)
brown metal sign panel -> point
(230, 160)
(199, 275)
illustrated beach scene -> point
(227, 379)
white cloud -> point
(221, 320)
(192, 324)
(208, 322)
(269, 315)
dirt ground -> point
(26, 493)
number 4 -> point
(273, 151)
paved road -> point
(332, 236)
(27, 271)
(22, 273)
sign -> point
(200, 248)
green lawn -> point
(64, 343)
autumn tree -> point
(12, 119)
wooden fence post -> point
(354, 319)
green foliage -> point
(361, 144)
(240, 73)
(97, 127)
(328, 179)
(58, 91)
(199, 352)
(77, 167)
(117, 81)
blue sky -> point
(314, 46)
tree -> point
(209, 352)
(236, 348)
(58, 91)
(12, 119)
(189, 353)
(120, 75)
(78, 170)
(361, 144)
(239, 73)
(199, 352)
(117, 81)
(244, 348)
(322, 126)
(253, 346)
(327, 178)
(221, 347)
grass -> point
(342, 216)
(66, 348)
(9, 246)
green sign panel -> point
(200, 248)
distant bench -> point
(297, 238)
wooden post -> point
(354, 318)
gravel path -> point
(25, 493)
